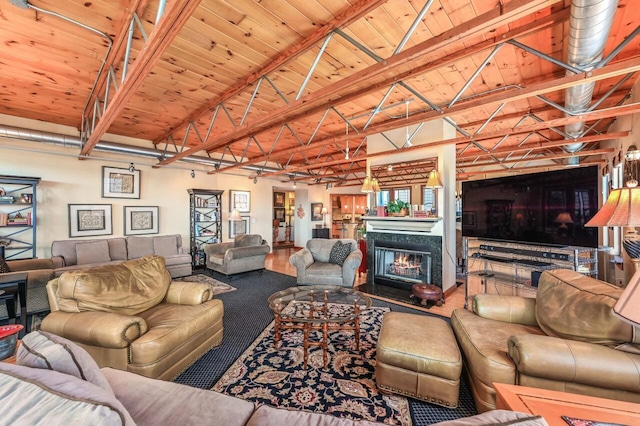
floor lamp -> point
(623, 209)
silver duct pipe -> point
(589, 27)
(56, 139)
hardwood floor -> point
(278, 261)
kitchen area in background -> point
(346, 215)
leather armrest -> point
(101, 329)
(187, 293)
(58, 262)
(29, 264)
(564, 360)
(218, 248)
(240, 252)
(511, 309)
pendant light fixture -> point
(346, 155)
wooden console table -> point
(552, 405)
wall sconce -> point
(235, 216)
(631, 161)
(131, 168)
(193, 173)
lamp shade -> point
(235, 216)
(375, 187)
(366, 185)
(324, 210)
(564, 218)
(626, 308)
(434, 180)
(621, 209)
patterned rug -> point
(218, 286)
(276, 377)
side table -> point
(14, 286)
(553, 404)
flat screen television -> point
(538, 208)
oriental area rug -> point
(218, 286)
(346, 388)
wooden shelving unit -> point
(18, 216)
(205, 209)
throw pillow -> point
(94, 252)
(40, 349)
(32, 396)
(339, 253)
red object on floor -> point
(362, 245)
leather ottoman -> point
(418, 356)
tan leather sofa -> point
(132, 317)
(56, 382)
(247, 252)
(39, 272)
(566, 339)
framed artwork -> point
(237, 227)
(86, 220)
(140, 220)
(278, 199)
(120, 183)
(316, 212)
(278, 214)
(240, 200)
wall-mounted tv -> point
(540, 208)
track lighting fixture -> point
(193, 173)
(131, 168)
(255, 180)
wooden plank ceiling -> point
(227, 81)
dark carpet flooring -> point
(246, 314)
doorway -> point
(283, 219)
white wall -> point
(67, 180)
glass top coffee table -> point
(318, 307)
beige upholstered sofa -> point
(71, 255)
(56, 382)
(565, 339)
(247, 252)
(132, 317)
(313, 266)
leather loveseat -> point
(566, 339)
(313, 264)
(247, 252)
(56, 382)
(71, 255)
(132, 317)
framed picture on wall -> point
(240, 200)
(316, 212)
(278, 199)
(278, 214)
(88, 220)
(237, 227)
(140, 220)
(120, 183)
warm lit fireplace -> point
(401, 264)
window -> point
(429, 199)
(402, 194)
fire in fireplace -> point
(401, 265)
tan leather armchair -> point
(566, 339)
(132, 317)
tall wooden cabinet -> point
(18, 216)
(205, 208)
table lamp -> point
(324, 214)
(622, 209)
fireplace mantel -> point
(401, 225)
